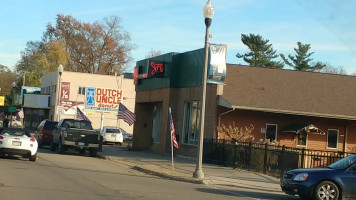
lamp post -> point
(60, 71)
(208, 13)
(12, 102)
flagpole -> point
(172, 151)
(171, 142)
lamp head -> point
(60, 70)
(208, 10)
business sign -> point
(156, 69)
(102, 99)
(217, 63)
(30, 90)
(2, 100)
(65, 89)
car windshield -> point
(50, 125)
(78, 124)
(344, 163)
(15, 132)
(112, 130)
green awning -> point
(296, 128)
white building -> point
(110, 90)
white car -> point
(112, 135)
(16, 141)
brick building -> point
(292, 108)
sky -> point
(329, 26)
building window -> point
(81, 90)
(271, 132)
(302, 138)
(191, 123)
(156, 126)
(333, 136)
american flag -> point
(173, 131)
(125, 114)
(20, 115)
(80, 115)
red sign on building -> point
(65, 89)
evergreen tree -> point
(301, 60)
(261, 53)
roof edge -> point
(333, 116)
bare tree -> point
(153, 53)
(94, 48)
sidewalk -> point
(161, 165)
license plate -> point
(81, 143)
(16, 143)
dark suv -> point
(44, 131)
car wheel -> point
(93, 152)
(52, 146)
(81, 151)
(327, 190)
(61, 147)
(33, 158)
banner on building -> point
(102, 99)
(28, 90)
(70, 107)
(65, 90)
(217, 63)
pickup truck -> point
(76, 134)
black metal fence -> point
(264, 158)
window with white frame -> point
(333, 136)
(191, 122)
(271, 132)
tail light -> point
(1, 137)
(32, 140)
(42, 132)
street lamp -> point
(12, 102)
(60, 71)
(208, 13)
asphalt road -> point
(73, 176)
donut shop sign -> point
(102, 99)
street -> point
(73, 176)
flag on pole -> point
(20, 115)
(125, 114)
(80, 115)
(173, 131)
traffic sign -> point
(12, 109)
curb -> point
(168, 176)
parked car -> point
(76, 134)
(126, 135)
(112, 135)
(43, 133)
(16, 141)
(335, 182)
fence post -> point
(249, 155)
(223, 153)
(302, 161)
(265, 159)
(234, 160)
(281, 161)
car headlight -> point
(301, 177)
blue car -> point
(336, 182)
